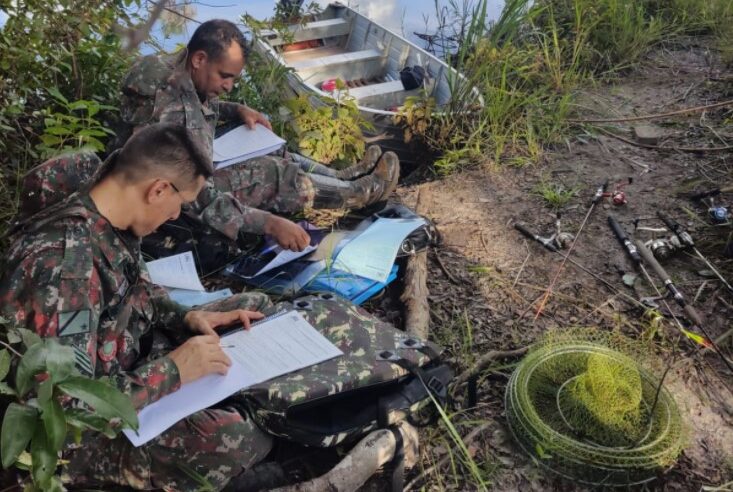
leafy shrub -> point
(327, 132)
(38, 419)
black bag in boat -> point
(412, 77)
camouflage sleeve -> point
(170, 313)
(223, 212)
(58, 294)
(138, 90)
(229, 111)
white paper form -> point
(242, 143)
(178, 271)
(284, 256)
(372, 253)
(283, 343)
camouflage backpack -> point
(384, 376)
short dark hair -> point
(215, 36)
(161, 147)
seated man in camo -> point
(74, 272)
(184, 89)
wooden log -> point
(370, 454)
(415, 295)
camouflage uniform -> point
(71, 275)
(160, 89)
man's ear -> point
(199, 59)
(157, 191)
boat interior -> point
(341, 44)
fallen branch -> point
(415, 295)
(484, 361)
(657, 147)
(370, 454)
(445, 269)
(466, 440)
(659, 115)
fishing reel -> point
(562, 240)
(663, 248)
(618, 195)
(718, 215)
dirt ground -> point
(486, 272)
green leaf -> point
(4, 363)
(91, 132)
(83, 420)
(54, 422)
(45, 392)
(29, 337)
(57, 95)
(13, 336)
(44, 458)
(19, 424)
(32, 362)
(57, 130)
(108, 402)
(5, 389)
(81, 104)
(59, 361)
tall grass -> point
(528, 65)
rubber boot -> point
(361, 168)
(336, 193)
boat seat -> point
(332, 61)
(375, 89)
(312, 30)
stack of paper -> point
(372, 253)
(178, 274)
(242, 144)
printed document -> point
(372, 253)
(178, 271)
(242, 144)
(275, 346)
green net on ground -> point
(588, 406)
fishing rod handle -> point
(530, 235)
(671, 224)
(693, 315)
(705, 194)
(620, 234)
(677, 228)
(648, 257)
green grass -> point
(556, 195)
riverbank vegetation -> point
(530, 64)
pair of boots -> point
(369, 181)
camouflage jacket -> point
(160, 89)
(71, 275)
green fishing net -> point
(588, 405)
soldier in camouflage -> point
(184, 89)
(74, 272)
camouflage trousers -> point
(269, 183)
(216, 444)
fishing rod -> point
(687, 241)
(691, 312)
(597, 196)
(633, 253)
(550, 245)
